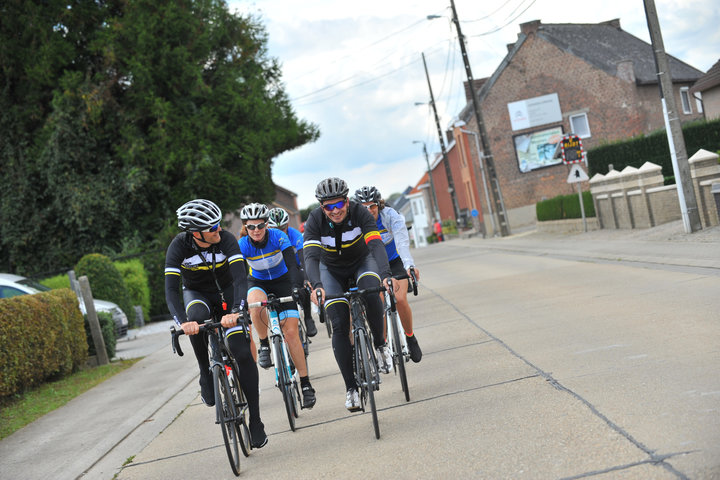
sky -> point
(355, 69)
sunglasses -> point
(259, 226)
(369, 206)
(212, 229)
(329, 207)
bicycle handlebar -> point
(272, 301)
(207, 326)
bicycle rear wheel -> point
(226, 416)
(368, 378)
(398, 357)
(281, 368)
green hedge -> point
(106, 282)
(136, 282)
(58, 281)
(564, 207)
(653, 148)
(42, 338)
(107, 327)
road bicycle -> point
(365, 370)
(397, 342)
(286, 376)
(231, 408)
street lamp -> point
(435, 207)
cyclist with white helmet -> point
(397, 245)
(272, 269)
(342, 242)
(279, 218)
(207, 261)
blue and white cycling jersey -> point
(296, 239)
(266, 263)
(393, 232)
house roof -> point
(418, 187)
(709, 80)
(604, 45)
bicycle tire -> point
(283, 381)
(398, 356)
(368, 384)
(226, 416)
(241, 408)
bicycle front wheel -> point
(226, 416)
(366, 369)
(398, 357)
(284, 379)
(241, 408)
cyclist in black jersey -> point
(341, 242)
(208, 262)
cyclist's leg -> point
(197, 310)
(367, 277)
(338, 312)
(258, 316)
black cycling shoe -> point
(415, 352)
(207, 393)
(264, 356)
(310, 327)
(257, 434)
(308, 397)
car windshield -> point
(32, 283)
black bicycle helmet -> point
(198, 215)
(367, 194)
(254, 211)
(330, 188)
(278, 218)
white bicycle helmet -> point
(278, 218)
(367, 194)
(254, 211)
(198, 215)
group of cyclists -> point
(210, 271)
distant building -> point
(707, 92)
(284, 198)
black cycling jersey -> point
(186, 260)
(342, 246)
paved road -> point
(537, 365)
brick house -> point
(595, 80)
(708, 87)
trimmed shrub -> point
(105, 281)
(58, 281)
(107, 327)
(42, 337)
(564, 207)
(136, 281)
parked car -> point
(12, 285)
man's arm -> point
(173, 279)
(374, 242)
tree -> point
(119, 112)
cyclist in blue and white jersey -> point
(270, 259)
(341, 242)
(280, 219)
(393, 231)
(208, 262)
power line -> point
(508, 23)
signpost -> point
(572, 153)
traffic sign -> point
(572, 149)
(577, 174)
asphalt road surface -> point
(535, 366)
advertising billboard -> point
(538, 149)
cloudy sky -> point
(355, 69)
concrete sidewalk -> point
(93, 435)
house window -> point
(685, 98)
(579, 125)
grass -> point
(19, 410)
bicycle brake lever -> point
(176, 342)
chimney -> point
(615, 22)
(529, 27)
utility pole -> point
(436, 209)
(678, 152)
(489, 161)
(446, 162)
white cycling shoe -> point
(384, 359)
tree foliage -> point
(116, 112)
